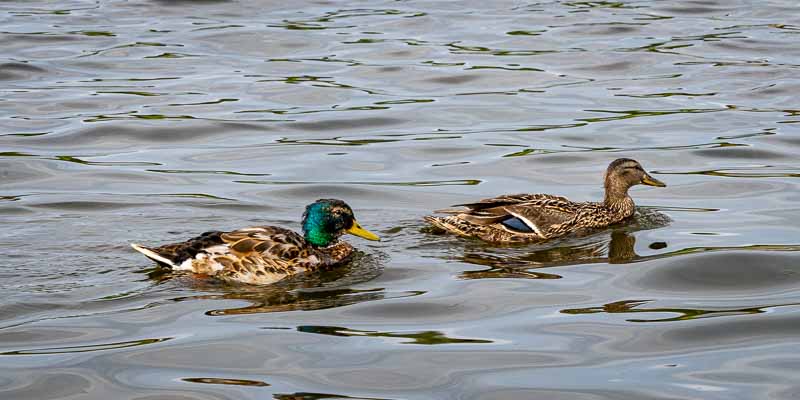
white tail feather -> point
(153, 255)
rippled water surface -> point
(152, 121)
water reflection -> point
(424, 337)
(619, 249)
(304, 292)
(226, 381)
(628, 114)
(616, 247)
(684, 314)
(319, 396)
(270, 300)
(85, 348)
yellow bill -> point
(357, 230)
(649, 180)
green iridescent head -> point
(326, 219)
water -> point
(154, 121)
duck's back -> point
(520, 218)
(262, 254)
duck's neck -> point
(336, 253)
(316, 235)
(618, 201)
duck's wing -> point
(511, 218)
(542, 220)
(265, 254)
(262, 254)
(511, 199)
(268, 241)
(532, 210)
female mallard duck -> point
(538, 217)
(267, 254)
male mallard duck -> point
(267, 254)
(538, 217)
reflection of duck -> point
(620, 249)
(283, 300)
(537, 217)
(267, 254)
(322, 289)
(421, 337)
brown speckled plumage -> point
(537, 217)
(260, 254)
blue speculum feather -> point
(517, 225)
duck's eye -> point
(343, 221)
(634, 168)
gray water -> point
(154, 121)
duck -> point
(521, 218)
(267, 254)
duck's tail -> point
(435, 221)
(151, 254)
